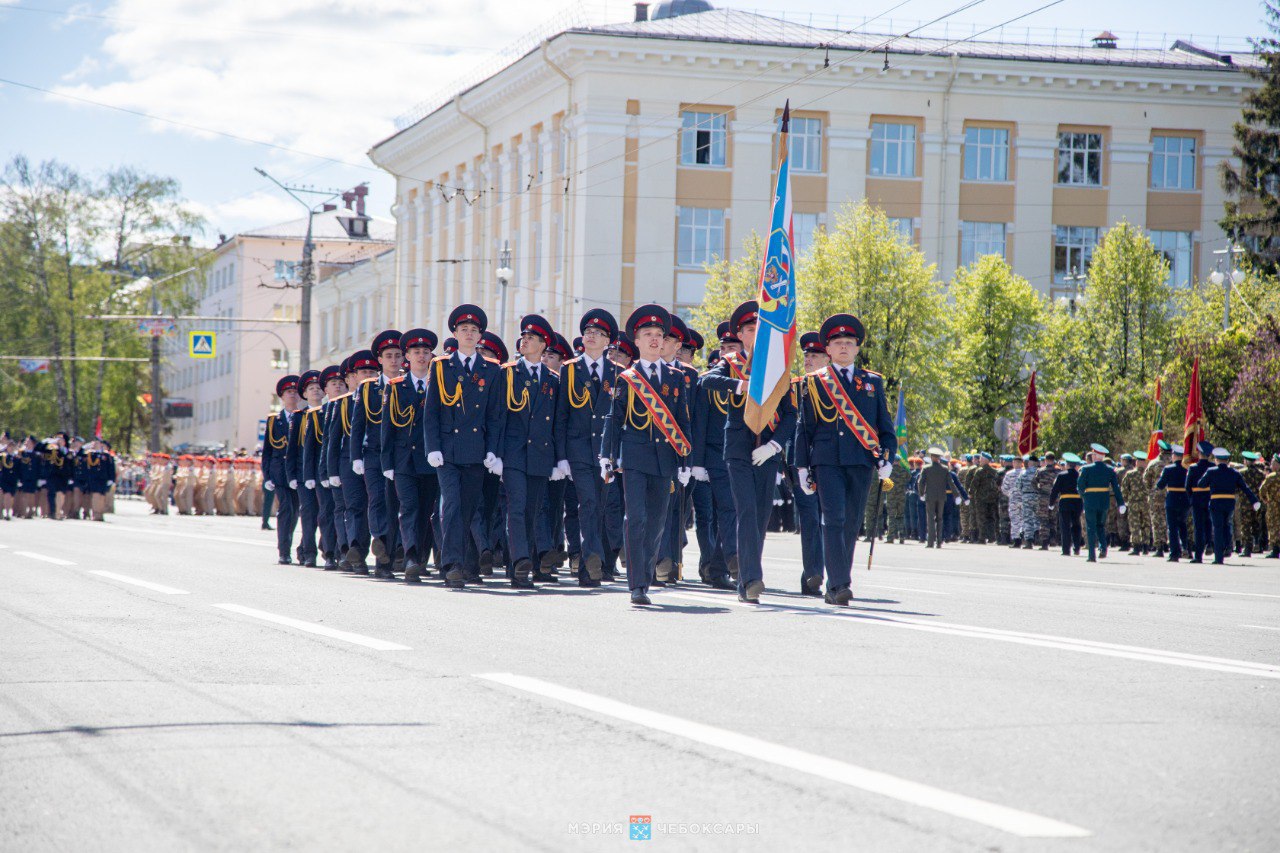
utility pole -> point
(504, 273)
(1236, 276)
(157, 406)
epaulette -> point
(395, 381)
(370, 379)
(511, 363)
(442, 358)
(489, 357)
(575, 359)
(340, 397)
(873, 373)
(796, 380)
(314, 408)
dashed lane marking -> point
(315, 628)
(57, 561)
(154, 587)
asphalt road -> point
(164, 685)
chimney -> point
(642, 11)
(360, 192)
(347, 198)
(1105, 39)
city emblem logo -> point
(641, 827)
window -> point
(802, 227)
(986, 154)
(804, 144)
(1176, 248)
(231, 272)
(1072, 250)
(351, 322)
(905, 225)
(980, 238)
(1080, 159)
(518, 177)
(286, 270)
(893, 150)
(701, 237)
(278, 361)
(702, 139)
(1173, 163)
(537, 156)
(561, 141)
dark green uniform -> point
(1096, 485)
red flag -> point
(1029, 435)
(1157, 427)
(1193, 423)
(97, 428)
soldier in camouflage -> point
(1249, 523)
(1269, 492)
(1009, 488)
(1002, 506)
(895, 501)
(985, 493)
(1134, 490)
(966, 509)
(1155, 499)
(1046, 519)
(1029, 500)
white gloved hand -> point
(389, 474)
(435, 459)
(966, 501)
(683, 476)
(1256, 505)
(556, 474)
(111, 483)
(702, 475)
(357, 465)
(566, 470)
(335, 482)
(489, 459)
(765, 452)
(268, 485)
(884, 469)
(606, 469)
(742, 387)
(1123, 509)
(40, 484)
(496, 468)
(324, 483)
(806, 483)
(959, 500)
(310, 484)
(777, 480)
(293, 484)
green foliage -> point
(1107, 412)
(729, 284)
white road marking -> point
(314, 628)
(117, 528)
(154, 587)
(1009, 820)
(1084, 581)
(57, 561)
(1262, 627)
(1229, 665)
(2, 545)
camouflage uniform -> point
(1029, 503)
(1269, 494)
(1046, 518)
(1009, 488)
(1135, 497)
(1002, 505)
(985, 492)
(965, 475)
(895, 501)
(1250, 523)
(1155, 503)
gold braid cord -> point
(512, 404)
(400, 417)
(447, 399)
(826, 414)
(271, 434)
(369, 415)
(574, 400)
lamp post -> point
(504, 273)
(1075, 280)
(1236, 276)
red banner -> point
(1029, 434)
(1193, 423)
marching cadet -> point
(526, 456)
(184, 485)
(845, 435)
(1173, 484)
(646, 440)
(729, 342)
(100, 475)
(462, 431)
(808, 511)
(718, 564)
(1096, 484)
(361, 367)
(275, 444)
(489, 525)
(30, 477)
(671, 551)
(1065, 498)
(752, 460)
(1269, 491)
(366, 452)
(316, 470)
(587, 384)
(335, 390)
(9, 476)
(308, 504)
(1223, 482)
(404, 461)
(558, 515)
(1200, 500)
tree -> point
(1095, 410)
(1252, 206)
(1125, 316)
(729, 284)
(996, 328)
(1251, 413)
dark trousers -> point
(809, 519)
(571, 522)
(460, 487)
(711, 563)
(1221, 511)
(418, 495)
(356, 500)
(1095, 525)
(935, 514)
(1175, 517)
(676, 536)
(647, 497)
(1200, 515)
(324, 520)
(1069, 525)
(524, 494)
(590, 490)
(842, 495)
(268, 501)
(548, 518)
(384, 506)
(752, 487)
(726, 512)
(308, 515)
(341, 544)
(489, 529)
(286, 519)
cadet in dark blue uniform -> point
(586, 385)
(361, 366)
(404, 460)
(808, 510)
(1223, 482)
(462, 430)
(301, 434)
(671, 553)
(646, 440)
(753, 460)
(366, 453)
(275, 445)
(1173, 479)
(845, 435)
(100, 470)
(622, 354)
(489, 525)
(556, 516)
(315, 464)
(1200, 500)
(1066, 499)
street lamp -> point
(1075, 281)
(505, 274)
(1218, 278)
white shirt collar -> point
(647, 366)
(529, 365)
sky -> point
(204, 92)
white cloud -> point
(248, 211)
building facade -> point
(254, 276)
(614, 162)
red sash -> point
(658, 411)
(863, 431)
(735, 370)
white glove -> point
(111, 483)
(496, 468)
(39, 484)
(1256, 505)
(806, 484)
(702, 475)
(959, 500)
(389, 474)
(778, 479)
(310, 484)
(566, 471)
(489, 459)
(1123, 509)
(268, 485)
(606, 469)
(357, 465)
(324, 484)
(884, 469)
(336, 482)
(966, 501)
(683, 475)
(556, 474)
(435, 459)
(765, 452)
(293, 484)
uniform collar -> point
(529, 365)
(647, 366)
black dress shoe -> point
(839, 597)
(285, 561)
(520, 582)
(413, 573)
(1090, 559)
(722, 583)
(638, 597)
(384, 573)
(812, 584)
(544, 577)
(474, 578)
(266, 526)
(588, 583)
(330, 565)
(455, 577)
(310, 563)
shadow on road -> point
(98, 731)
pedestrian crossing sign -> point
(202, 344)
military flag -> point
(900, 426)
(776, 329)
(1029, 434)
(1157, 427)
(1193, 422)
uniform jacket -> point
(312, 439)
(1199, 494)
(710, 413)
(275, 441)
(293, 451)
(1096, 484)
(630, 436)
(463, 415)
(1064, 486)
(1223, 482)
(739, 440)
(337, 435)
(402, 449)
(1173, 480)
(935, 481)
(529, 432)
(822, 437)
(581, 409)
(367, 412)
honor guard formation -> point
(411, 464)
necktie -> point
(848, 376)
(653, 373)
(419, 386)
(595, 375)
(466, 362)
(534, 371)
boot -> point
(1275, 554)
(1159, 552)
